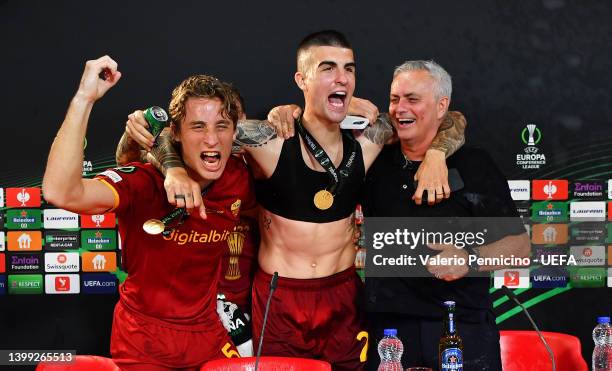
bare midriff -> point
(298, 249)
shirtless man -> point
(315, 311)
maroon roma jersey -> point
(174, 278)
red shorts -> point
(139, 343)
(318, 318)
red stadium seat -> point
(523, 351)
(266, 364)
(81, 363)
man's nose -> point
(402, 106)
(342, 77)
(211, 137)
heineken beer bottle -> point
(157, 119)
(450, 348)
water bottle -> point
(602, 336)
(390, 350)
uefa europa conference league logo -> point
(533, 158)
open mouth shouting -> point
(337, 100)
(211, 160)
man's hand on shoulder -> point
(282, 118)
(364, 108)
(432, 176)
(182, 191)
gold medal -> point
(323, 199)
(153, 226)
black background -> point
(513, 63)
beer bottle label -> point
(451, 360)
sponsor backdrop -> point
(530, 77)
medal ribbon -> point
(339, 175)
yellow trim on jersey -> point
(115, 194)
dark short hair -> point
(204, 86)
(323, 38)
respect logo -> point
(25, 284)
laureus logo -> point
(533, 158)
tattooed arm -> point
(165, 156)
(432, 175)
(451, 134)
(128, 150)
(249, 133)
(254, 133)
(381, 131)
(374, 138)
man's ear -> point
(442, 107)
(174, 131)
(299, 80)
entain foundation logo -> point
(533, 158)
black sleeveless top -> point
(289, 192)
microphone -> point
(273, 283)
(513, 297)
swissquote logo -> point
(62, 262)
(589, 255)
(533, 158)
